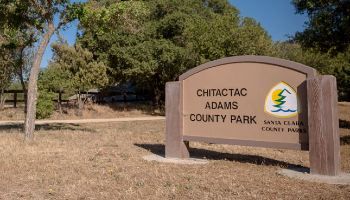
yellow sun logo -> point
(275, 95)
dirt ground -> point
(104, 161)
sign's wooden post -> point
(324, 143)
(175, 147)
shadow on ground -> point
(344, 140)
(344, 124)
(48, 127)
(159, 149)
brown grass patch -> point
(104, 161)
(98, 111)
(90, 111)
(12, 114)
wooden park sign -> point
(255, 101)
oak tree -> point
(328, 27)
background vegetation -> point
(150, 42)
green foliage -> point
(341, 71)
(72, 12)
(51, 80)
(16, 35)
(320, 61)
(6, 73)
(328, 27)
(125, 15)
(45, 104)
(55, 78)
(15, 14)
(78, 68)
(15, 85)
(152, 42)
(73, 70)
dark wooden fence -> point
(18, 96)
(15, 98)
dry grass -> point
(12, 114)
(107, 111)
(104, 161)
(90, 111)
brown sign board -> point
(233, 100)
(244, 100)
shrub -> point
(45, 104)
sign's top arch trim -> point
(309, 71)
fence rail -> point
(14, 99)
(98, 97)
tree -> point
(51, 80)
(16, 36)
(152, 42)
(78, 70)
(326, 40)
(44, 12)
(328, 27)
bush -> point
(45, 104)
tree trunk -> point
(60, 101)
(29, 125)
(2, 99)
(21, 78)
(80, 105)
